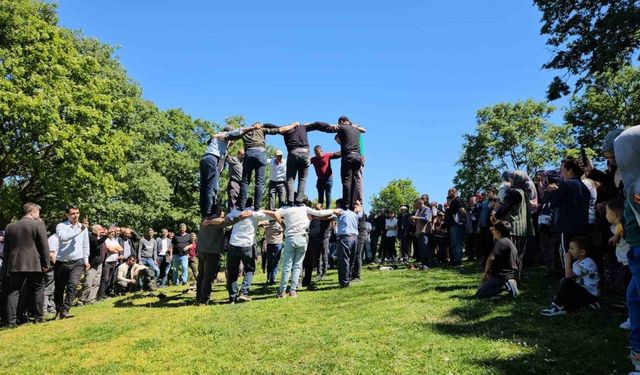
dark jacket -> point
(571, 204)
(96, 257)
(25, 246)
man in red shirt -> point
(322, 164)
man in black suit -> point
(27, 256)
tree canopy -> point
(395, 194)
(510, 136)
(589, 38)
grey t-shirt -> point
(235, 168)
(147, 247)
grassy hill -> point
(393, 322)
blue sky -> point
(413, 73)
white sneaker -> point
(512, 287)
(626, 325)
(553, 310)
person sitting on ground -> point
(127, 275)
(579, 287)
(502, 264)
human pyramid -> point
(291, 219)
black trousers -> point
(314, 247)
(208, 266)
(389, 247)
(350, 175)
(572, 296)
(108, 269)
(67, 279)
(26, 289)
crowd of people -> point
(581, 222)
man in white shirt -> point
(113, 251)
(49, 277)
(296, 224)
(71, 260)
(390, 236)
(241, 249)
(277, 180)
(163, 251)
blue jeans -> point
(456, 236)
(254, 160)
(347, 246)
(294, 250)
(180, 260)
(324, 190)
(209, 177)
(149, 262)
(633, 297)
(273, 258)
(235, 255)
(163, 278)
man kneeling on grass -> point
(501, 267)
(579, 287)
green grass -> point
(394, 322)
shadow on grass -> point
(581, 342)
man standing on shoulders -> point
(210, 166)
(26, 252)
(322, 165)
(277, 177)
(255, 160)
(71, 261)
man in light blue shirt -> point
(347, 239)
(72, 259)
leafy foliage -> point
(611, 101)
(395, 194)
(588, 38)
(510, 136)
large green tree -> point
(510, 136)
(476, 170)
(396, 193)
(74, 128)
(589, 38)
(611, 101)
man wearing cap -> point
(277, 177)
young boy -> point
(579, 287)
(614, 215)
(502, 264)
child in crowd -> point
(614, 209)
(502, 264)
(579, 287)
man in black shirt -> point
(93, 275)
(180, 257)
(455, 219)
(502, 264)
(298, 159)
(349, 139)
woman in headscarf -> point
(516, 209)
